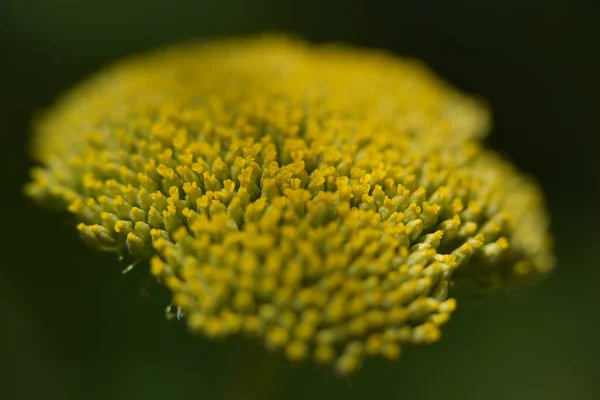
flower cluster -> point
(320, 199)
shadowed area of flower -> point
(320, 199)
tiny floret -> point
(320, 199)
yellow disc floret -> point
(321, 199)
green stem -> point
(256, 373)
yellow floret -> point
(321, 199)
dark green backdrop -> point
(72, 327)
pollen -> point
(320, 199)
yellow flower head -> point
(321, 199)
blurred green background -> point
(73, 327)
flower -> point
(319, 198)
